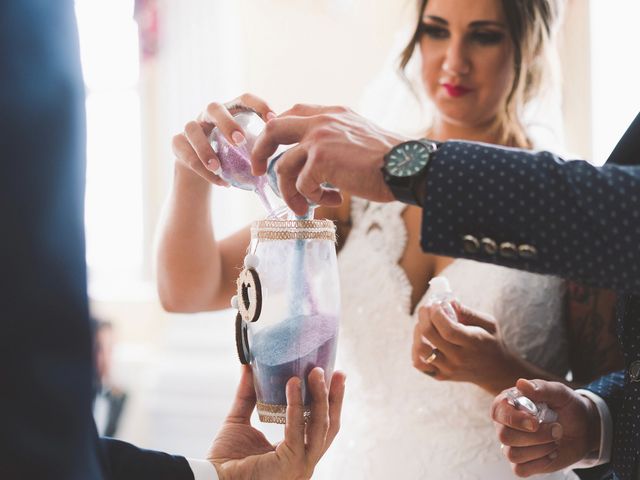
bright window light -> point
(114, 221)
(615, 71)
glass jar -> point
(291, 305)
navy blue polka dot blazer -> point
(535, 211)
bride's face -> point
(467, 58)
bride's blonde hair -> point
(532, 27)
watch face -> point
(407, 159)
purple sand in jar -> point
(281, 352)
(235, 165)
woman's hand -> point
(195, 271)
(192, 148)
(464, 350)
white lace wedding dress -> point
(399, 424)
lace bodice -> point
(397, 422)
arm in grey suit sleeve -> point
(583, 221)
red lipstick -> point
(455, 90)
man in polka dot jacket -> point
(528, 210)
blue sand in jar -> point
(281, 352)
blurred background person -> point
(110, 400)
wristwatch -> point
(405, 167)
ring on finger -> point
(431, 358)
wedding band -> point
(431, 374)
(432, 357)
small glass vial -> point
(440, 293)
(235, 160)
(541, 410)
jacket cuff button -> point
(489, 246)
(470, 244)
(634, 371)
(527, 252)
(508, 250)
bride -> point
(481, 61)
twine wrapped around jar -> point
(275, 229)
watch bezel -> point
(415, 151)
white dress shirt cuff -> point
(603, 454)
(202, 469)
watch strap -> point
(402, 188)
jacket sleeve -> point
(124, 461)
(610, 388)
(535, 211)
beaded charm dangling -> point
(251, 261)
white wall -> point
(615, 72)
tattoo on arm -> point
(594, 349)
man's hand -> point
(335, 145)
(536, 448)
(242, 452)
